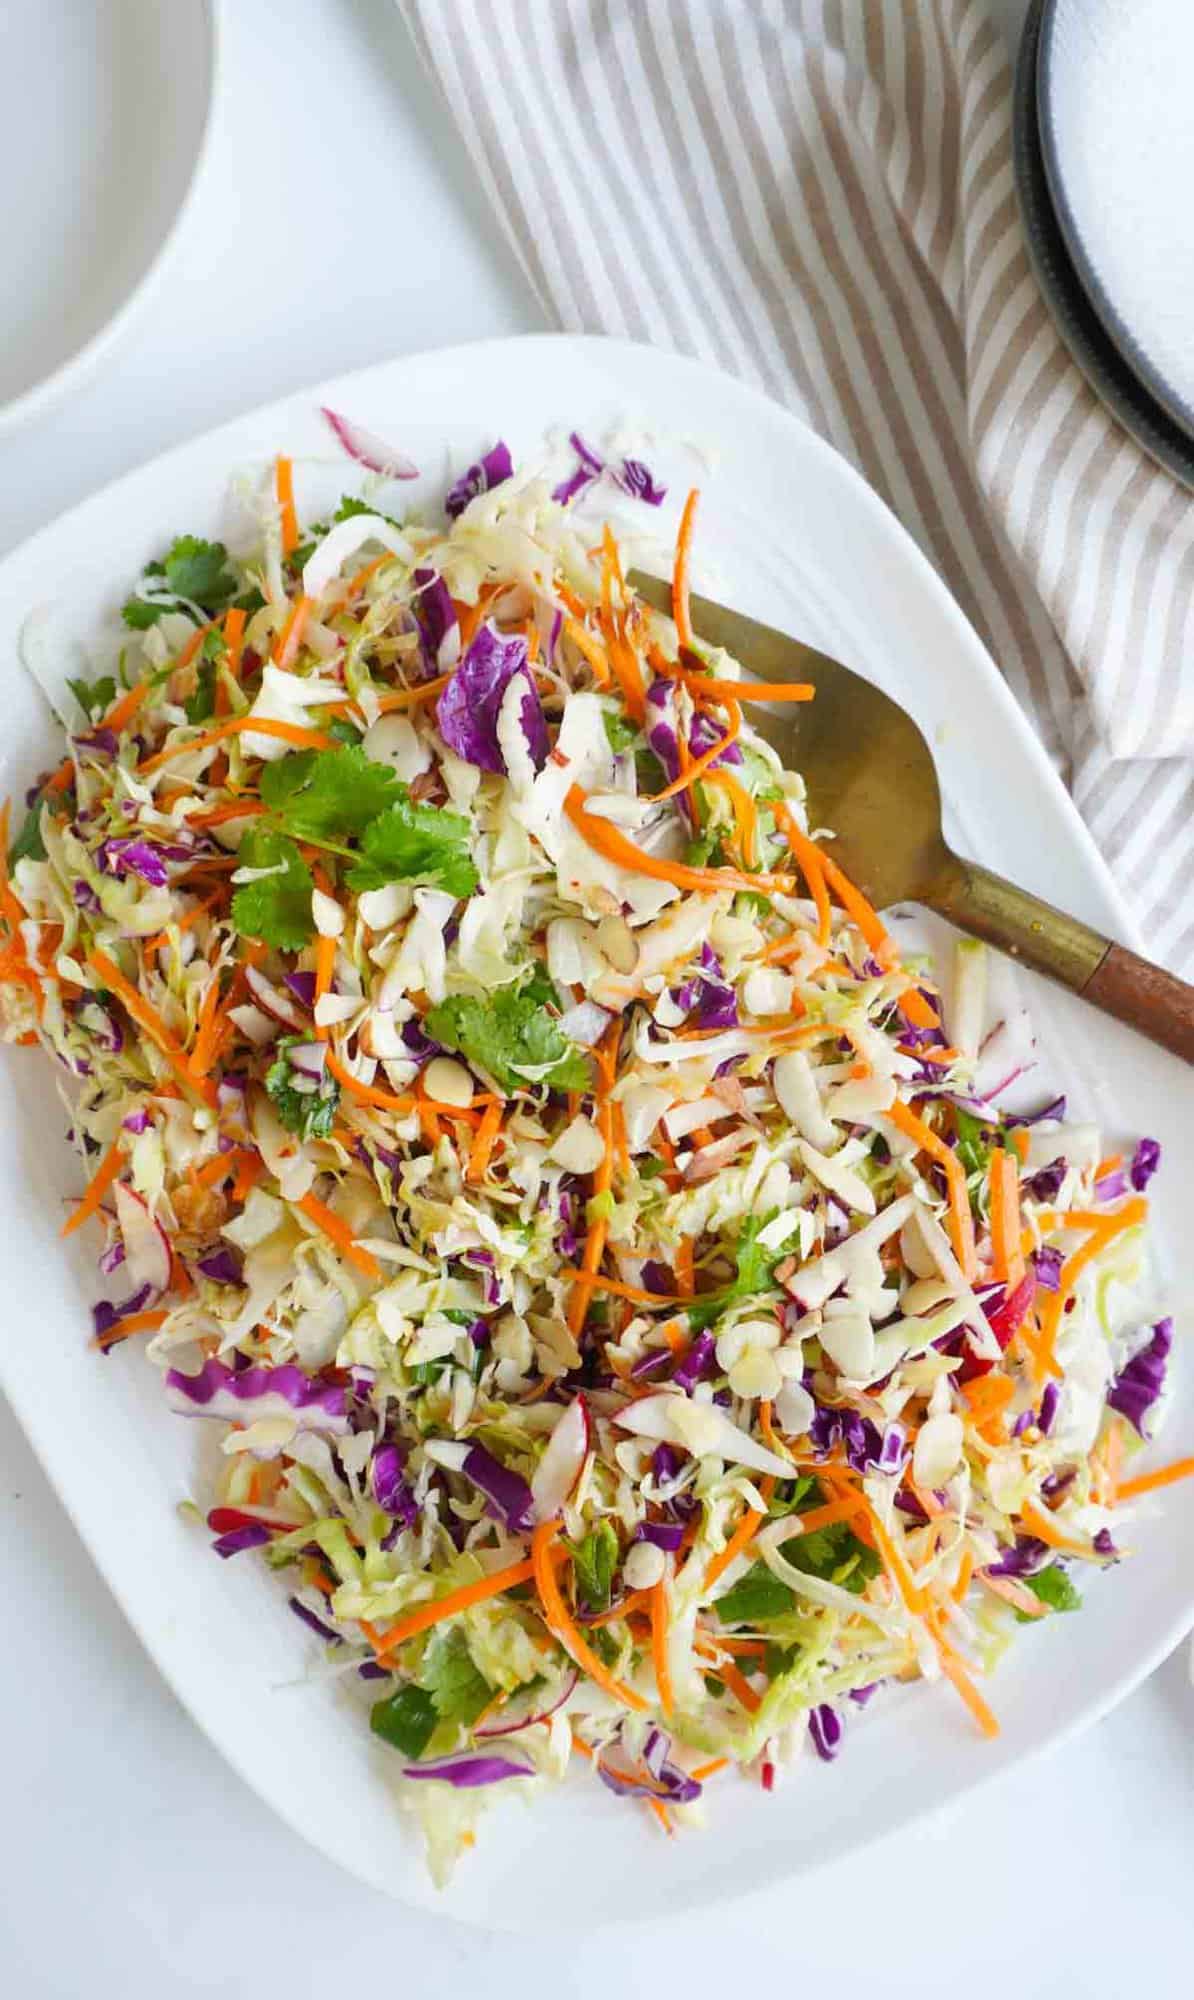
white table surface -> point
(337, 224)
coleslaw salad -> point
(639, 1327)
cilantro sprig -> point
(309, 1112)
(194, 570)
(512, 1037)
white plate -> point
(797, 537)
(1118, 141)
(104, 110)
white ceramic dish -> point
(797, 537)
(106, 109)
(1118, 142)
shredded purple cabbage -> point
(464, 1773)
(705, 733)
(825, 1728)
(699, 1362)
(468, 708)
(1023, 1558)
(222, 1265)
(217, 1391)
(1138, 1386)
(1048, 1411)
(491, 469)
(507, 1490)
(666, 1535)
(1046, 1267)
(433, 608)
(254, 1535)
(635, 478)
(1145, 1161)
(387, 1480)
(308, 1617)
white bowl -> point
(107, 108)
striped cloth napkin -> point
(817, 195)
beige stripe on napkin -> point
(817, 195)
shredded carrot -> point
(260, 725)
(248, 1173)
(284, 487)
(434, 1613)
(1039, 1522)
(771, 1440)
(698, 766)
(325, 965)
(469, 616)
(741, 1538)
(340, 1234)
(810, 860)
(711, 689)
(365, 1093)
(144, 1322)
(953, 1668)
(961, 1222)
(829, 1515)
(659, 1659)
(634, 1293)
(560, 1625)
(746, 819)
(1149, 1482)
(594, 1250)
(704, 1771)
(1103, 1230)
(607, 839)
(680, 613)
(148, 1018)
(1004, 1182)
(1013, 1593)
(97, 1187)
(289, 639)
(965, 1573)
(208, 1031)
(483, 1143)
(739, 1686)
(399, 698)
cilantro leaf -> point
(755, 1597)
(459, 1691)
(1054, 1588)
(198, 570)
(201, 705)
(310, 1113)
(975, 1141)
(413, 843)
(350, 506)
(343, 730)
(406, 1719)
(194, 569)
(277, 908)
(594, 1559)
(29, 845)
(94, 697)
(755, 1262)
(506, 1034)
(327, 794)
(834, 1553)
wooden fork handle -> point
(1112, 978)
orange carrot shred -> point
(148, 1018)
(261, 725)
(1149, 1482)
(659, 1659)
(560, 1625)
(338, 1232)
(426, 1615)
(483, 1143)
(961, 1222)
(284, 487)
(680, 574)
(607, 839)
(97, 1187)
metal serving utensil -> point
(871, 777)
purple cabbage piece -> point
(372, 1670)
(507, 1490)
(1025, 1556)
(222, 1265)
(469, 1770)
(662, 1780)
(825, 1728)
(103, 742)
(665, 1465)
(1022, 1422)
(387, 1481)
(650, 1364)
(704, 734)
(866, 1449)
(863, 1694)
(217, 1391)
(1111, 1186)
(253, 1536)
(491, 469)
(637, 479)
(1054, 1109)
(105, 1315)
(661, 726)
(136, 1121)
(1046, 1267)
(588, 468)
(1045, 1184)
(434, 610)
(1103, 1545)
(699, 1362)
(717, 1005)
(665, 1535)
(1055, 1485)
(418, 1045)
(308, 1617)
(1047, 1415)
(468, 708)
(112, 1259)
(302, 986)
(658, 1277)
(85, 896)
(1138, 1385)
(1144, 1163)
(126, 855)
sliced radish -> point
(146, 1246)
(562, 1463)
(273, 1001)
(368, 449)
(309, 1058)
(524, 1716)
